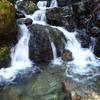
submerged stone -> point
(44, 86)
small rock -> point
(67, 55)
(28, 21)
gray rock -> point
(40, 42)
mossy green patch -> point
(7, 17)
(3, 50)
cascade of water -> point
(54, 3)
(83, 57)
(39, 17)
(55, 60)
(20, 53)
(54, 50)
(19, 56)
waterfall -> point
(54, 50)
(54, 3)
(19, 56)
(39, 16)
(84, 59)
(20, 53)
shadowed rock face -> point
(60, 17)
(97, 48)
(40, 42)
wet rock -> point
(60, 17)
(62, 3)
(94, 31)
(98, 19)
(28, 6)
(7, 18)
(83, 38)
(80, 13)
(67, 55)
(19, 14)
(28, 21)
(97, 48)
(40, 42)
(48, 86)
(4, 57)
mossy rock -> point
(12, 1)
(7, 18)
(4, 56)
(28, 7)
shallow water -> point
(47, 85)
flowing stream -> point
(84, 60)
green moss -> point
(7, 17)
(3, 51)
(28, 6)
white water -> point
(20, 53)
(84, 59)
(19, 56)
(54, 3)
(56, 60)
(39, 16)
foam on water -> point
(84, 59)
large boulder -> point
(29, 7)
(60, 17)
(7, 18)
(40, 42)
